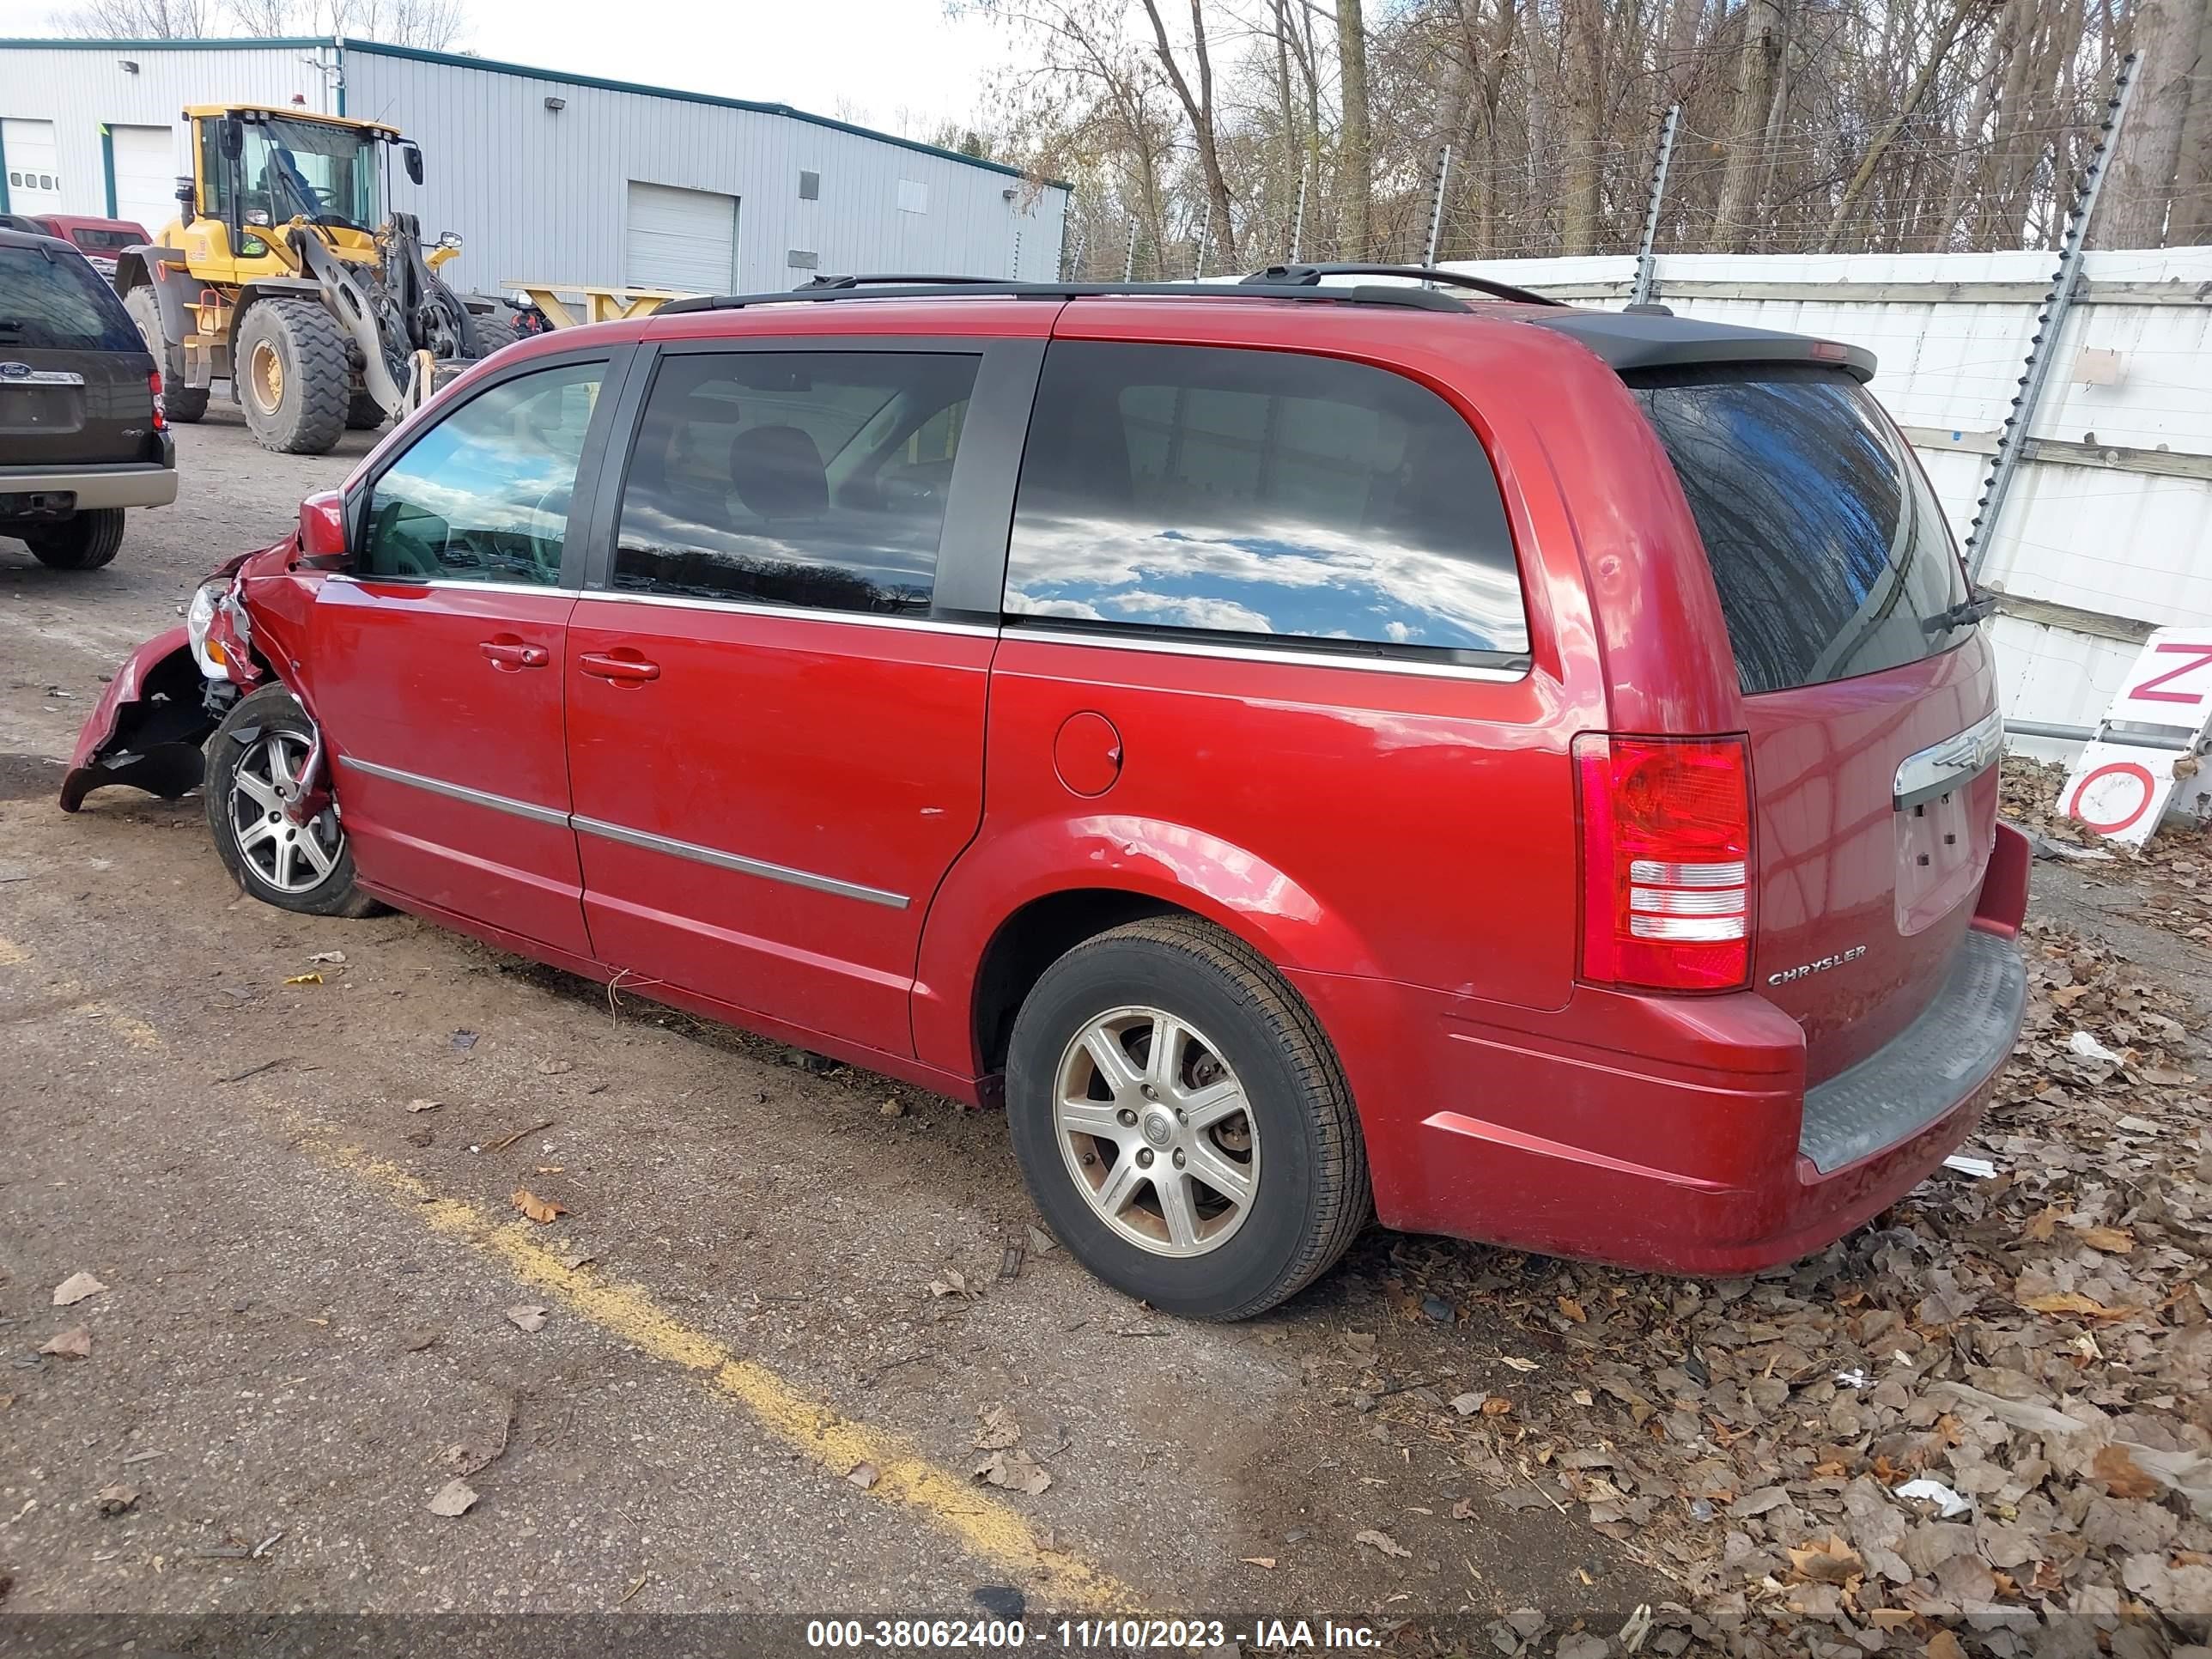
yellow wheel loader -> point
(283, 275)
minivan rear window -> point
(55, 301)
(1829, 548)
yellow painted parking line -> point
(906, 1478)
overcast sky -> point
(874, 58)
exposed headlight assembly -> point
(213, 601)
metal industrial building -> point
(546, 177)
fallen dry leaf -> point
(303, 978)
(2123, 1476)
(542, 1210)
(1514, 1362)
(2070, 1302)
(1944, 1645)
(999, 1429)
(526, 1318)
(1831, 1563)
(1573, 1309)
(2114, 1241)
(1496, 1405)
(864, 1475)
(74, 1290)
(114, 1500)
(72, 1344)
(1381, 1541)
(455, 1497)
(1266, 1561)
(1017, 1471)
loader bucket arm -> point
(349, 302)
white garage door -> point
(145, 175)
(685, 239)
(34, 167)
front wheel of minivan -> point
(257, 753)
(1182, 1122)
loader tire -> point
(182, 403)
(363, 413)
(293, 377)
(501, 326)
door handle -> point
(622, 671)
(512, 653)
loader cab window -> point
(309, 169)
(483, 495)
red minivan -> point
(1314, 748)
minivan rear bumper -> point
(1674, 1134)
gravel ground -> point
(753, 1362)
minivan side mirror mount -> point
(323, 532)
(412, 155)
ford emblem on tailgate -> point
(15, 371)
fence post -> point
(1298, 224)
(2012, 440)
(1129, 259)
(1647, 258)
(1436, 206)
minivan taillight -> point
(1666, 861)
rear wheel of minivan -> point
(84, 541)
(256, 754)
(1182, 1122)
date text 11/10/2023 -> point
(1086, 1635)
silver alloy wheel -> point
(1157, 1133)
(290, 858)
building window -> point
(810, 187)
(913, 195)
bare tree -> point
(143, 20)
(1355, 145)
(2132, 211)
(1198, 108)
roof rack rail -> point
(871, 281)
(1310, 276)
(912, 288)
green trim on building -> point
(107, 164)
(3, 170)
(494, 66)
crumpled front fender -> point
(147, 729)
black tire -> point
(239, 745)
(503, 325)
(182, 403)
(85, 542)
(300, 409)
(1311, 1194)
(363, 413)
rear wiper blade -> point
(1981, 603)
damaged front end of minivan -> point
(149, 728)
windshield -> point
(310, 168)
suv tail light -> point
(1666, 861)
(154, 386)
